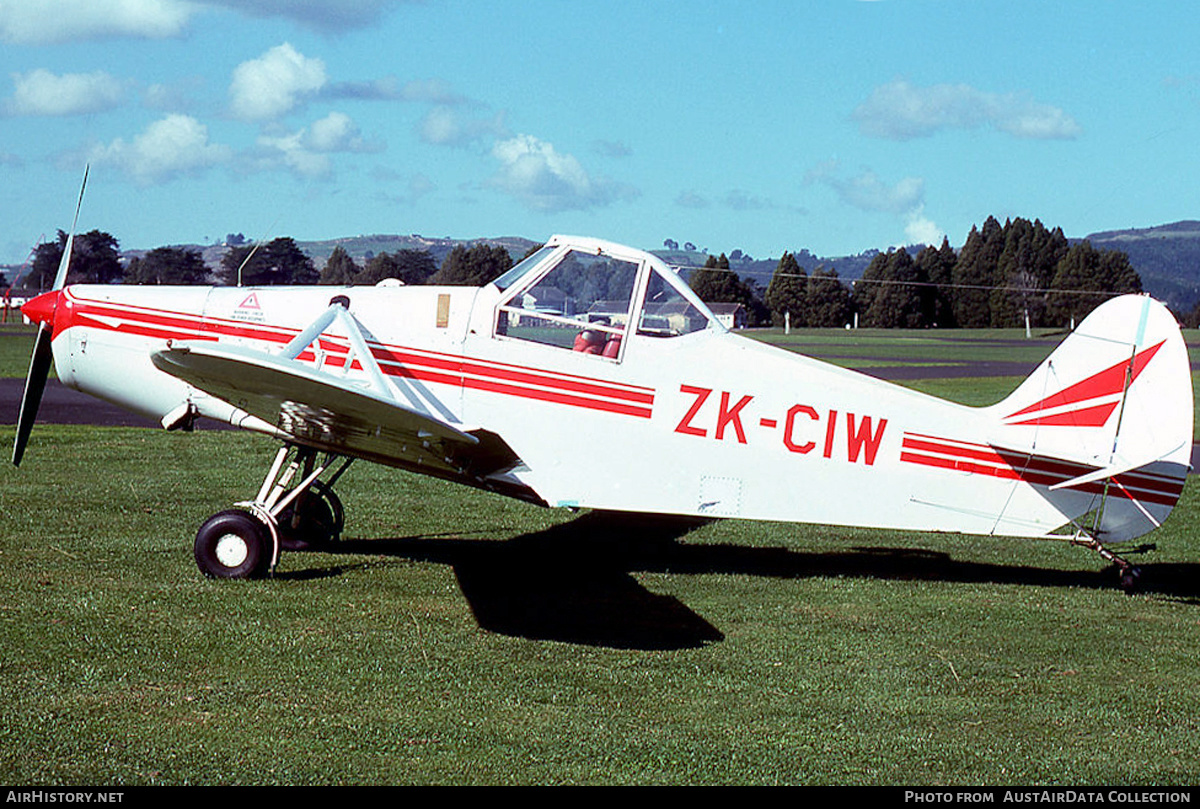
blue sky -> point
(832, 125)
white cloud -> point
(449, 126)
(271, 85)
(389, 88)
(174, 145)
(691, 199)
(612, 148)
(419, 185)
(42, 22)
(174, 96)
(867, 192)
(40, 92)
(545, 180)
(290, 151)
(415, 186)
(739, 200)
(901, 111)
(436, 91)
(321, 15)
(452, 119)
(337, 132)
(921, 230)
(306, 152)
(39, 22)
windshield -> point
(584, 296)
(523, 266)
(588, 300)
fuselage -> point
(698, 422)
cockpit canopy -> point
(584, 294)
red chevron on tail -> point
(1107, 383)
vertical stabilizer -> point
(1106, 421)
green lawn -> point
(462, 638)
(466, 639)
(16, 346)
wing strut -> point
(339, 312)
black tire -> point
(320, 524)
(233, 545)
(1131, 580)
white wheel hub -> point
(232, 550)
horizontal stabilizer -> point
(1120, 466)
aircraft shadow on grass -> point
(574, 582)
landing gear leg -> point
(294, 510)
(1128, 574)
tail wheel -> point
(233, 545)
(1130, 580)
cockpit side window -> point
(582, 304)
(666, 312)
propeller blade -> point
(60, 278)
(43, 354)
(35, 385)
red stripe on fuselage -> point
(410, 363)
(982, 459)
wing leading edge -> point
(328, 413)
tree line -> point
(96, 259)
(1003, 276)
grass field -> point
(461, 638)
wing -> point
(333, 414)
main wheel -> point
(319, 523)
(233, 545)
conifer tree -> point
(407, 266)
(279, 262)
(95, 259)
(340, 269)
(787, 294)
(937, 266)
(1085, 278)
(828, 299)
(897, 300)
(974, 274)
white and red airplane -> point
(591, 376)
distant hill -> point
(362, 248)
(1167, 257)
